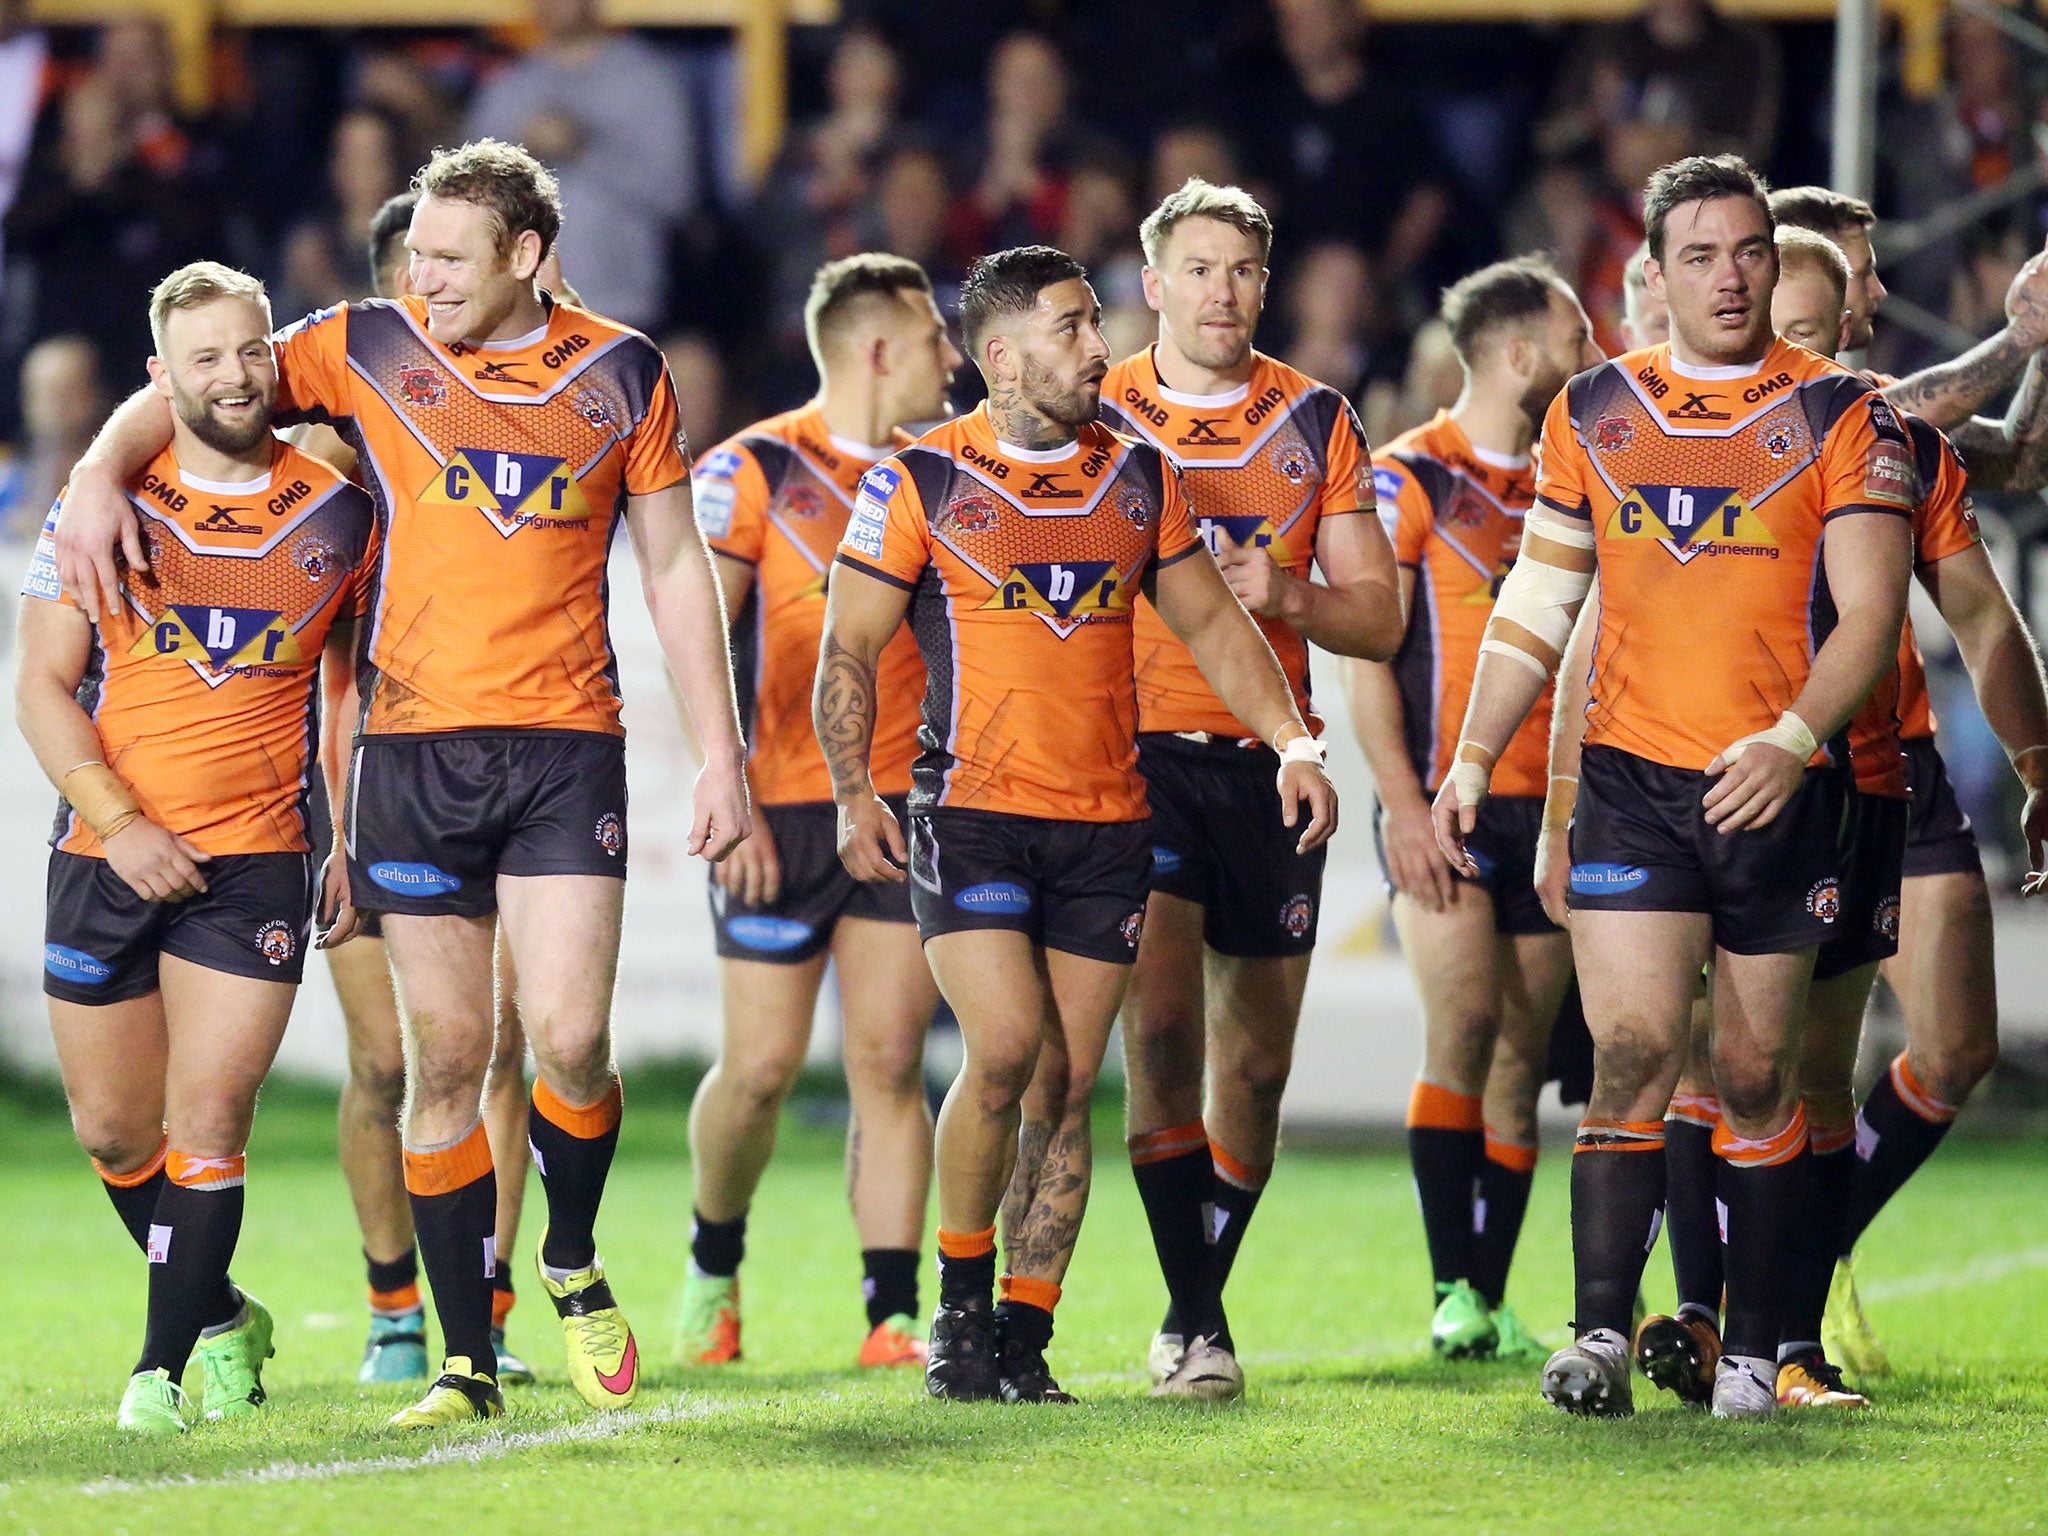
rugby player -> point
(178, 729)
(373, 1094)
(1016, 539)
(1274, 467)
(1700, 476)
(1645, 320)
(1490, 967)
(773, 502)
(504, 436)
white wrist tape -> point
(1304, 749)
(1790, 733)
(1532, 617)
(1471, 781)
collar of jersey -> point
(254, 487)
(1229, 397)
(1719, 370)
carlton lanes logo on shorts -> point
(1824, 899)
(76, 966)
(408, 879)
(993, 896)
(1606, 879)
(1065, 594)
(276, 941)
(610, 833)
(218, 642)
(1692, 520)
(512, 490)
(1297, 915)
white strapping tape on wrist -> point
(1304, 749)
(1791, 734)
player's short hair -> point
(1008, 283)
(1199, 199)
(1696, 179)
(505, 181)
(388, 226)
(1633, 279)
(1506, 293)
(839, 287)
(199, 283)
(1822, 210)
(1802, 250)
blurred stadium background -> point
(712, 152)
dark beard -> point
(219, 435)
(1074, 407)
(1542, 390)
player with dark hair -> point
(773, 502)
(1274, 468)
(504, 435)
(1490, 967)
(1016, 539)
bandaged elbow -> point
(1532, 617)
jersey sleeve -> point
(312, 367)
(1347, 478)
(1866, 463)
(888, 535)
(654, 449)
(1561, 461)
(731, 498)
(1177, 537)
(1946, 523)
(42, 580)
(1404, 508)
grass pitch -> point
(1348, 1425)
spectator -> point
(1020, 190)
(1590, 228)
(63, 403)
(1331, 313)
(1679, 63)
(400, 84)
(1100, 232)
(24, 80)
(326, 259)
(607, 114)
(1192, 149)
(1431, 383)
(907, 216)
(699, 374)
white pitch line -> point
(483, 1447)
(1983, 1272)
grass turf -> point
(1348, 1424)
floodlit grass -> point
(1348, 1424)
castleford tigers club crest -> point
(422, 386)
(276, 941)
(1133, 506)
(1296, 915)
(968, 514)
(314, 555)
(1133, 928)
(1613, 434)
(1292, 461)
(594, 408)
(1824, 900)
(610, 833)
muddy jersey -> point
(1707, 497)
(500, 474)
(1456, 521)
(203, 685)
(1023, 569)
(778, 496)
(1263, 464)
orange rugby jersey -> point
(1708, 493)
(500, 475)
(778, 496)
(1023, 569)
(1262, 464)
(203, 686)
(1457, 524)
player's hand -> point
(2026, 302)
(719, 814)
(871, 842)
(1306, 784)
(1554, 873)
(94, 524)
(752, 873)
(336, 921)
(2034, 828)
(1415, 863)
(1455, 815)
(157, 865)
(1750, 792)
(1255, 580)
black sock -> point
(716, 1247)
(572, 1148)
(394, 1279)
(1898, 1129)
(1617, 1206)
(1024, 1324)
(1238, 1189)
(967, 1278)
(1692, 1219)
(191, 1242)
(1810, 1264)
(1446, 1165)
(1176, 1184)
(454, 1193)
(889, 1283)
(135, 1203)
(1766, 1186)
(1506, 1174)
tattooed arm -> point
(1949, 393)
(862, 612)
(2010, 454)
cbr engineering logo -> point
(512, 490)
(1692, 520)
(1065, 594)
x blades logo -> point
(513, 490)
(1694, 407)
(501, 373)
(1050, 487)
(1690, 520)
(219, 641)
(1064, 595)
(1202, 434)
(225, 520)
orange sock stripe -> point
(585, 1121)
(1439, 1109)
(405, 1299)
(967, 1245)
(1174, 1141)
(205, 1172)
(1915, 1095)
(1619, 1136)
(444, 1170)
(141, 1175)
(1781, 1146)
(1702, 1109)
(501, 1306)
(1042, 1294)
(1825, 1139)
(1511, 1155)
(1243, 1175)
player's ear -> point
(526, 255)
(1842, 327)
(159, 376)
(1155, 298)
